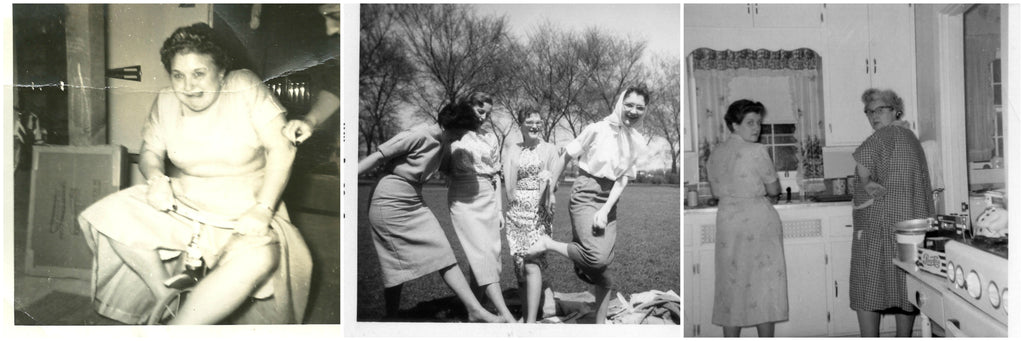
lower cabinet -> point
(817, 266)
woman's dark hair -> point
(478, 98)
(640, 90)
(526, 113)
(739, 109)
(196, 38)
(458, 116)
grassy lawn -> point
(646, 254)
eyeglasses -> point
(876, 111)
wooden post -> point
(86, 80)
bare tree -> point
(385, 75)
(454, 51)
(663, 114)
(612, 64)
(553, 78)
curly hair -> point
(640, 90)
(196, 38)
(739, 109)
(887, 96)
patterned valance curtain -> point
(711, 71)
(799, 59)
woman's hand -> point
(874, 189)
(159, 195)
(298, 131)
(600, 221)
(255, 221)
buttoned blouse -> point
(599, 154)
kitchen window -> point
(782, 145)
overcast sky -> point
(657, 23)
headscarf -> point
(626, 135)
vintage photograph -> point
(175, 164)
(846, 168)
(518, 164)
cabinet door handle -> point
(876, 65)
(755, 9)
(867, 66)
(835, 284)
(748, 8)
(830, 128)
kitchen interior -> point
(808, 64)
(88, 75)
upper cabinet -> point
(753, 15)
(868, 46)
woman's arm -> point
(773, 190)
(873, 188)
(601, 217)
(159, 194)
(324, 106)
(279, 154)
(370, 161)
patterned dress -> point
(750, 266)
(526, 219)
(897, 162)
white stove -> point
(977, 295)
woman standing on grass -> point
(608, 151)
(531, 169)
(473, 196)
(409, 240)
(750, 270)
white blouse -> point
(600, 154)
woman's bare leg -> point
(493, 291)
(766, 329)
(452, 276)
(905, 325)
(147, 264)
(731, 331)
(545, 244)
(868, 321)
(219, 294)
(602, 295)
(533, 291)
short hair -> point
(458, 116)
(739, 109)
(196, 38)
(887, 96)
(640, 90)
(525, 113)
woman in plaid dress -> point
(892, 186)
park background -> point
(568, 61)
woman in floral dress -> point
(531, 169)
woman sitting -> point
(223, 131)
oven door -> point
(964, 320)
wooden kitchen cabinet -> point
(753, 15)
(867, 46)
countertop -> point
(932, 280)
(782, 205)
